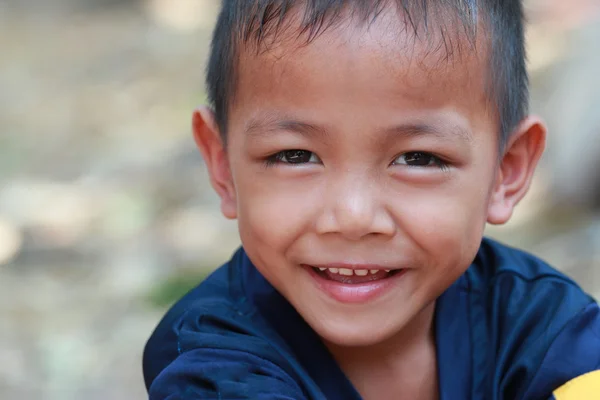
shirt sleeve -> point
(209, 374)
(574, 353)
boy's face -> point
(364, 150)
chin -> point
(356, 335)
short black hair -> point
(243, 21)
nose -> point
(354, 208)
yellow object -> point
(584, 387)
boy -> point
(362, 147)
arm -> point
(207, 374)
(573, 354)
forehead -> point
(380, 67)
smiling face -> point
(359, 153)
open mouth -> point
(355, 285)
(354, 276)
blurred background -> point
(106, 214)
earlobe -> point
(517, 167)
(210, 144)
(500, 208)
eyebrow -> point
(445, 131)
(269, 126)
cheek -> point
(273, 214)
(447, 225)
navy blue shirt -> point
(510, 328)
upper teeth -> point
(350, 272)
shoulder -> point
(496, 261)
(542, 329)
(518, 292)
(223, 353)
(509, 278)
(216, 298)
(213, 343)
(163, 345)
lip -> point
(354, 293)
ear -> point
(208, 140)
(517, 166)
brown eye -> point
(295, 157)
(420, 159)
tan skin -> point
(360, 108)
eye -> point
(294, 157)
(420, 159)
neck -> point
(403, 366)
